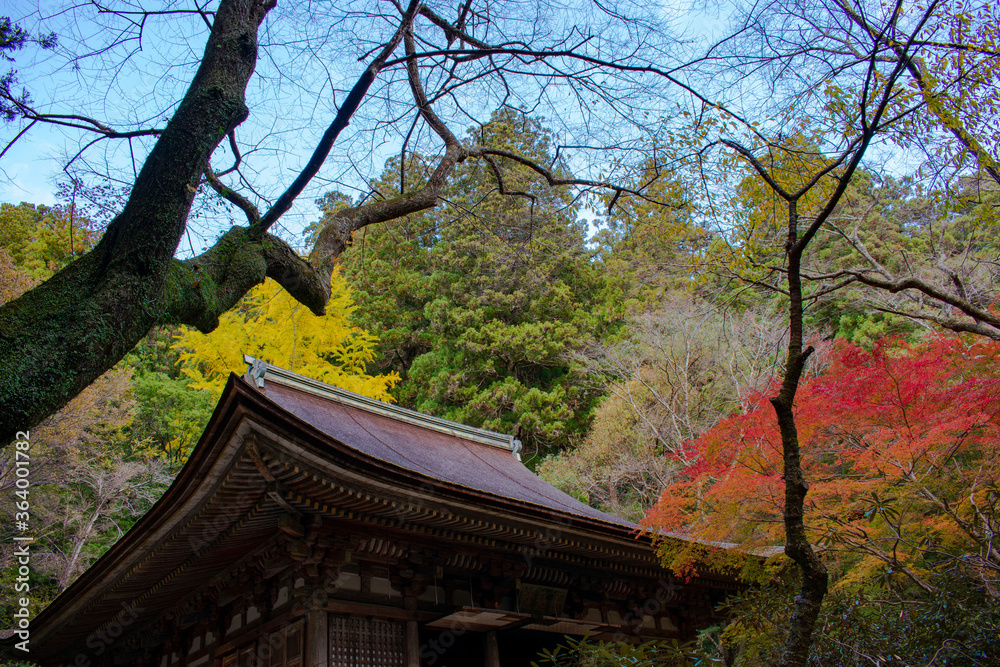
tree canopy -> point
(270, 325)
(899, 444)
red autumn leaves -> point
(900, 448)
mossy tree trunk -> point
(57, 338)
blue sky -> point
(299, 81)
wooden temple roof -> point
(476, 461)
(279, 444)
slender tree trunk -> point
(797, 547)
(69, 571)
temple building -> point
(315, 527)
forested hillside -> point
(737, 282)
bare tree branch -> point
(343, 117)
(244, 204)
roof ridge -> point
(260, 371)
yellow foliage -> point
(759, 217)
(270, 325)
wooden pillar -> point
(492, 649)
(317, 639)
(412, 644)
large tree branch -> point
(241, 202)
(202, 288)
(984, 322)
(336, 235)
(502, 185)
(887, 283)
(453, 31)
(420, 97)
(763, 171)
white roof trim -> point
(261, 371)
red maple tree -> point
(901, 448)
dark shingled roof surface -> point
(437, 455)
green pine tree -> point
(479, 303)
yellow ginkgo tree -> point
(270, 325)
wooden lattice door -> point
(366, 642)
